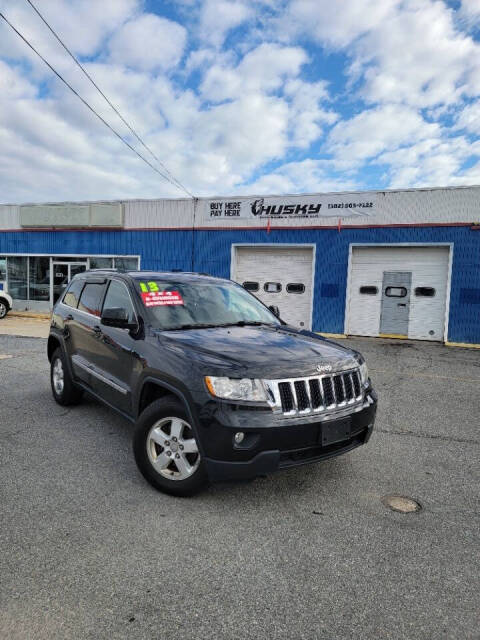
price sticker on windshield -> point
(153, 297)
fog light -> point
(239, 436)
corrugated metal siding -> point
(173, 250)
(9, 216)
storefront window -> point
(126, 264)
(17, 277)
(101, 263)
(39, 286)
(3, 268)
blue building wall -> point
(166, 250)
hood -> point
(266, 352)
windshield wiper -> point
(182, 327)
(249, 323)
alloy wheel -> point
(172, 449)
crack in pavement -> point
(422, 434)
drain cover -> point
(401, 504)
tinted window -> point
(91, 298)
(396, 292)
(272, 287)
(427, 292)
(101, 263)
(250, 286)
(295, 287)
(73, 293)
(369, 291)
(118, 298)
(126, 264)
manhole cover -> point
(401, 504)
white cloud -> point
(469, 118)
(307, 176)
(218, 17)
(371, 132)
(263, 69)
(148, 42)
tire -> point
(166, 451)
(3, 308)
(64, 390)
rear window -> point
(73, 293)
(91, 298)
(295, 287)
(426, 292)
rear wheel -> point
(166, 450)
(3, 309)
(64, 389)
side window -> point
(91, 298)
(426, 292)
(73, 293)
(295, 287)
(250, 286)
(395, 292)
(118, 298)
(272, 287)
(369, 291)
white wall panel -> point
(9, 216)
(158, 214)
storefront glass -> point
(17, 269)
(39, 284)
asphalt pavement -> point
(89, 550)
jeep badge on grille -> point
(324, 368)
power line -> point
(86, 103)
(132, 130)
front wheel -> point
(166, 450)
(64, 389)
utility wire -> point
(86, 103)
(132, 130)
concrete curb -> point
(30, 314)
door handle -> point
(69, 317)
(97, 331)
(401, 304)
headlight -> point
(233, 389)
(364, 372)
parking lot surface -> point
(89, 550)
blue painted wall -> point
(173, 250)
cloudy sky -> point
(241, 96)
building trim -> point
(410, 225)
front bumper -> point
(279, 447)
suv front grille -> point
(313, 395)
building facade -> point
(393, 263)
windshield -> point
(186, 305)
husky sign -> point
(291, 207)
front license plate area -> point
(335, 432)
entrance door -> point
(63, 272)
(395, 311)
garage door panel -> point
(280, 265)
(429, 267)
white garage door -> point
(398, 291)
(280, 276)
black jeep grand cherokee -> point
(219, 388)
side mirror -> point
(118, 318)
(275, 310)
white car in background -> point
(6, 303)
